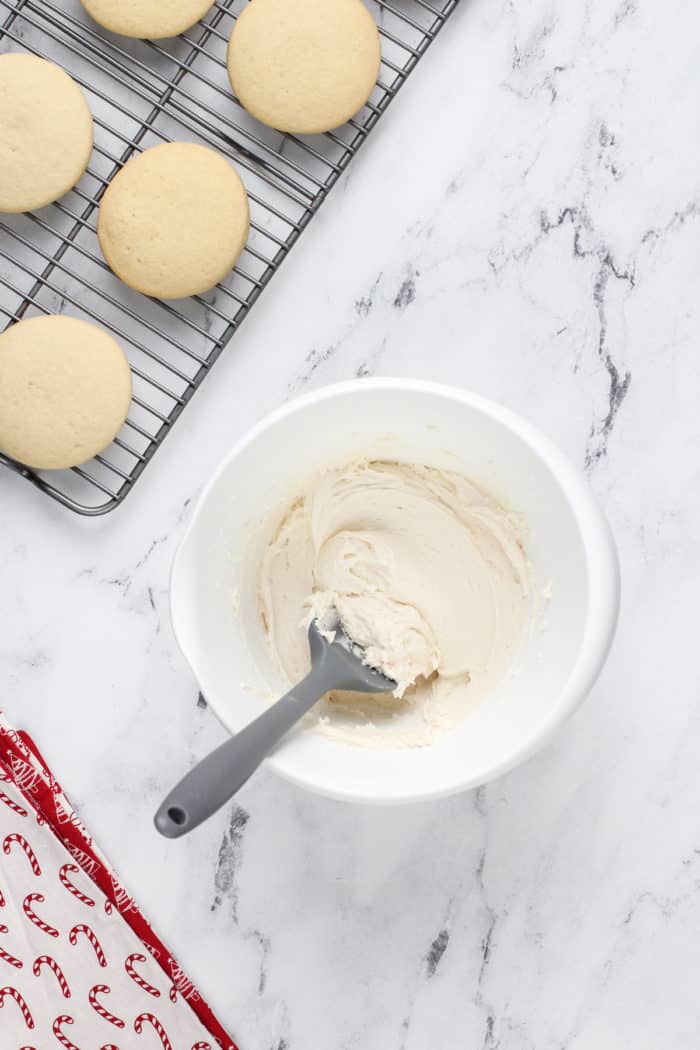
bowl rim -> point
(601, 565)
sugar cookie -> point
(65, 390)
(45, 132)
(147, 19)
(304, 66)
(174, 220)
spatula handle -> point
(218, 777)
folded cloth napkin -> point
(80, 967)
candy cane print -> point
(100, 989)
(14, 994)
(86, 862)
(138, 1028)
(6, 955)
(109, 1046)
(33, 917)
(65, 881)
(56, 1028)
(181, 982)
(23, 845)
(108, 907)
(129, 967)
(90, 936)
(17, 963)
(46, 960)
(13, 805)
(202, 1046)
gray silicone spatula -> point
(335, 664)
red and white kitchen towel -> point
(80, 968)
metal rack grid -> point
(142, 93)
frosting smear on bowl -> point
(427, 573)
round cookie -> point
(174, 220)
(65, 390)
(45, 132)
(147, 19)
(304, 66)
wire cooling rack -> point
(142, 93)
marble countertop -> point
(525, 223)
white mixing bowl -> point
(214, 580)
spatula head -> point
(342, 661)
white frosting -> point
(428, 575)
